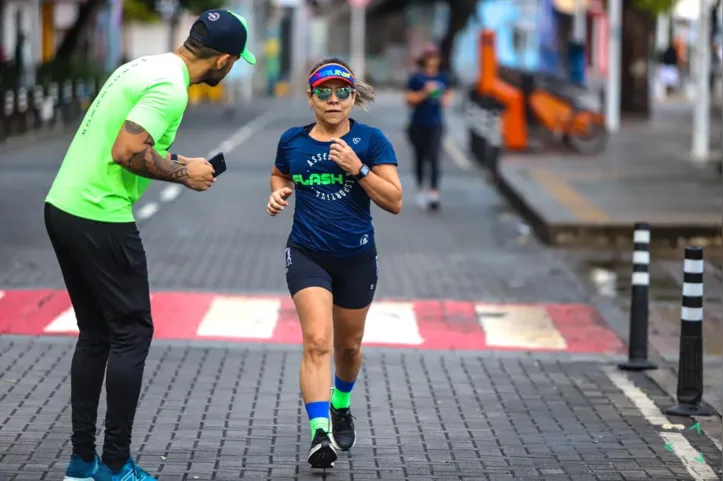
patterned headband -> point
(329, 72)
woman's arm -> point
(279, 180)
(416, 92)
(384, 187)
(382, 183)
(448, 97)
(414, 97)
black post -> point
(638, 342)
(475, 115)
(493, 146)
(690, 363)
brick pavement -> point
(235, 413)
(471, 251)
(26, 173)
(506, 416)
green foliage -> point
(145, 10)
(73, 69)
(655, 6)
(139, 11)
(200, 6)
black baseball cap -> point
(227, 32)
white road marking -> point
(681, 447)
(528, 327)
(717, 442)
(392, 323)
(170, 193)
(240, 317)
(231, 143)
(147, 210)
(461, 159)
(65, 322)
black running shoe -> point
(341, 429)
(321, 454)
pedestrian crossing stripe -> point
(240, 317)
(66, 322)
(392, 323)
(423, 324)
(528, 327)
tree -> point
(139, 9)
(638, 26)
(87, 13)
(460, 12)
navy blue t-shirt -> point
(428, 113)
(332, 213)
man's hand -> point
(277, 200)
(344, 156)
(200, 175)
(188, 160)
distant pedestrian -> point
(122, 144)
(668, 71)
(337, 166)
(428, 93)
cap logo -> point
(213, 16)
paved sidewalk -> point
(228, 414)
(644, 175)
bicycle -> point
(566, 117)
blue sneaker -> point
(129, 472)
(79, 470)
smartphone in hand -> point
(218, 162)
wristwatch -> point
(174, 158)
(363, 172)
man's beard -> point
(214, 77)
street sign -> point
(359, 3)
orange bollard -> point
(514, 122)
(487, 62)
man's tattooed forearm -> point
(150, 165)
(135, 129)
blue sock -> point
(341, 396)
(318, 413)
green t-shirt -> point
(151, 91)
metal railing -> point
(45, 106)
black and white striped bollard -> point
(638, 342)
(690, 363)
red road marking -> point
(442, 324)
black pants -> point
(105, 272)
(427, 144)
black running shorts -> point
(351, 280)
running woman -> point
(122, 144)
(337, 166)
(428, 93)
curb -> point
(665, 377)
(604, 235)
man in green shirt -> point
(123, 144)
